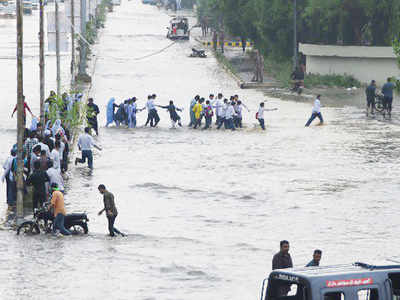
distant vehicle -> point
(178, 29)
(356, 281)
(198, 53)
(151, 2)
(116, 2)
(27, 7)
(35, 4)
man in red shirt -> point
(26, 107)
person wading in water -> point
(110, 209)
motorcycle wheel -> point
(78, 228)
(28, 228)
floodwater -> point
(205, 211)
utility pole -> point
(82, 75)
(294, 35)
(41, 63)
(20, 113)
(73, 43)
(58, 49)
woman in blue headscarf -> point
(57, 128)
(110, 111)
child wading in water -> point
(260, 114)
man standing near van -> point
(282, 260)
(316, 259)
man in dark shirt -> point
(92, 112)
(370, 92)
(38, 179)
(316, 259)
(282, 260)
(387, 91)
(110, 209)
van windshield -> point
(286, 290)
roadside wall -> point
(364, 63)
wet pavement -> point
(205, 210)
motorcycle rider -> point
(57, 202)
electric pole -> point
(41, 63)
(73, 44)
(58, 49)
(294, 35)
(20, 114)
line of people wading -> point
(226, 113)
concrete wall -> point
(364, 63)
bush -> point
(346, 81)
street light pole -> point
(57, 23)
(20, 114)
(294, 34)
(41, 63)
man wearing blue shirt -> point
(387, 91)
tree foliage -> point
(270, 22)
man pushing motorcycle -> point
(57, 203)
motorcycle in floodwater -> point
(198, 53)
(43, 220)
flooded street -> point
(204, 210)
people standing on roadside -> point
(44, 161)
(55, 176)
(171, 108)
(110, 209)
(26, 107)
(91, 115)
(316, 259)
(316, 112)
(222, 40)
(370, 92)
(387, 91)
(57, 202)
(243, 41)
(38, 180)
(215, 40)
(35, 155)
(43, 146)
(85, 144)
(198, 109)
(8, 175)
(55, 156)
(260, 114)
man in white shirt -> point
(316, 112)
(85, 144)
(222, 119)
(218, 105)
(260, 114)
(229, 115)
(55, 156)
(55, 177)
(10, 181)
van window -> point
(395, 279)
(368, 294)
(334, 296)
(286, 290)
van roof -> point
(345, 269)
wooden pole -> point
(57, 23)
(20, 113)
(41, 63)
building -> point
(362, 62)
